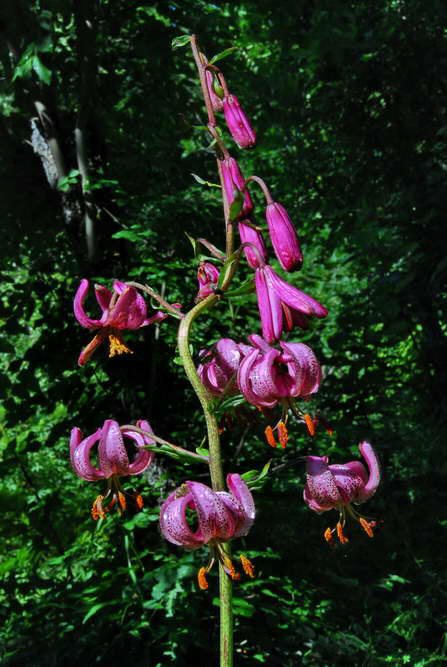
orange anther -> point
(310, 424)
(228, 564)
(201, 578)
(117, 346)
(283, 434)
(139, 501)
(367, 526)
(328, 536)
(269, 436)
(122, 500)
(247, 566)
(98, 511)
(343, 539)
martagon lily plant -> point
(272, 370)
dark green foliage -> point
(348, 100)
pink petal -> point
(242, 493)
(294, 297)
(215, 521)
(80, 455)
(284, 237)
(347, 481)
(103, 297)
(78, 307)
(173, 523)
(372, 460)
(112, 453)
(321, 486)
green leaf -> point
(93, 610)
(202, 451)
(42, 72)
(178, 42)
(202, 181)
(223, 54)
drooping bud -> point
(284, 237)
(234, 183)
(238, 123)
(256, 256)
(208, 277)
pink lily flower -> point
(337, 486)
(112, 458)
(282, 306)
(208, 277)
(124, 308)
(267, 376)
(234, 183)
(220, 516)
(256, 254)
(220, 365)
(284, 237)
(238, 123)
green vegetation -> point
(348, 100)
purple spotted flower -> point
(113, 460)
(336, 486)
(208, 277)
(220, 364)
(234, 183)
(282, 306)
(122, 308)
(284, 237)
(255, 253)
(238, 123)
(219, 516)
(268, 376)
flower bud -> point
(234, 183)
(238, 123)
(284, 237)
(249, 234)
(208, 276)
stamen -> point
(122, 500)
(367, 526)
(269, 436)
(247, 566)
(98, 511)
(328, 535)
(283, 434)
(201, 578)
(117, 346)
(310, 424)
(228, 565)
(139, 501)
(343, 539)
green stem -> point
(217, 478)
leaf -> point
(202, 181)
(93, 610)
(43, 73)
(223, 54)
(178, 42)
(202, 451)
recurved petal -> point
(78, 307)
(242, 493)
(112, 454)
(311, 503)
(265, 380)
(294, 297)
(144, 457)
(308, 374)
(321, 486)
(80, 455)
(256, 253)
(372, 461)
(269, 305)
(244, 381)
(173, 523)
(347, 480)
(215, 521)
(129, 311)
(103, 296)
(228, 355)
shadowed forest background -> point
(349, 103)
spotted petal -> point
(80, 455)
